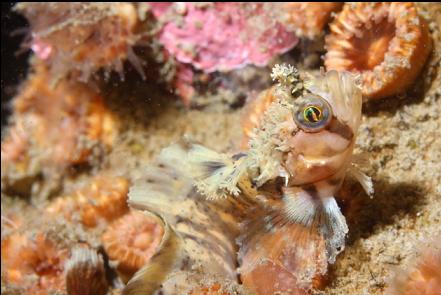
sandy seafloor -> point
(400, 135)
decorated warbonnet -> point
(281, 191)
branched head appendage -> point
(288, 78)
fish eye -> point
(313, 114)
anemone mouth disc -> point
(387, 43)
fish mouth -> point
(327, 169)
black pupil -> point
(312, 114)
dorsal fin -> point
(199, 246)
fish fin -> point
(201, 233)
(294, 234)
(149, 278)
(363, 179)
(361, 159)
(319, 213)
(217, 175)
(162, 184)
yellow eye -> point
(312, 114)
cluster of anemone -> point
(387, 43)
(82, 119)
(34, 261)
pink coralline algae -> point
(221, 36)
(42, 49)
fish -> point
(266, 216)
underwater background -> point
(91, 94)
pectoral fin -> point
(363, 179)
(291, 238)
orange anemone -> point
(131, 241)
(423, 278)
(102, 200)
(387, 43)
(14, 146)
(214, 289)
(81, 38)
(58, 124)
(33, 265)
(309, 19)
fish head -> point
(326, 118)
